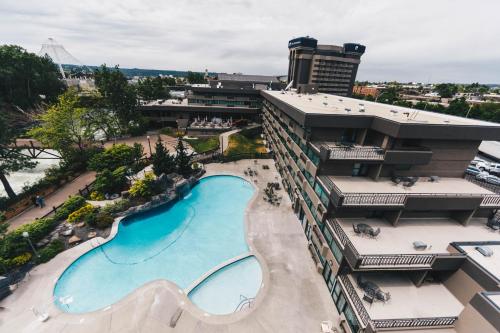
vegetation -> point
(117, 156)
(143, 188)
(196, 78)
(182, 159)
(50, 251)
(27, 79)
(80, 214)
(64, 126)
(69, 206)
(10, 161)
(118, 95)
(245, 142)
(446, 90)
(154, 88)
(110, 182)
(202, 145)
(162, 161)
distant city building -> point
(323, 68)
(243, 81)
(372, 91)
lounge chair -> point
(327, 327)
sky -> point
(420, 41)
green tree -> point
(446, 90)
(27, 79)
(182, 159)
(118, 95)
(458, 107)
(10, 160)
(64, 127)
(163, 162)
(154, 88)
(195, 77)
(116, 156)
(100, 117)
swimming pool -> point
(178, 243)
(230, 289)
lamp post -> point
(149, 144)
(27, 236)
(470, 108)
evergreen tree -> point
(183, 160)
(163, 162)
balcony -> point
(452, 193)
(339, 151)
(409, 307)
(393, 248)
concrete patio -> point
(294, 297)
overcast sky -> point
(423, 40)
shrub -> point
(79, 215)
(103, 220)
(116, 207)
(21, 259)
(96, 196)
(143, 188)
(111, 182)
(69, 206)
(50, 251)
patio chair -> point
(374, 232)
(356, 230)
(245, 172)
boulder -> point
(74, 239)
(43, 242)
(67, 232)
(80, 225)
(91, 234)
(54, 236)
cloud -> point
(446, 40)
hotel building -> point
(323, 68)
(400, 237)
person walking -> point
(42, 202)
(38, 203)
(34, 200)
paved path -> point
(224, 139)
(55, 199)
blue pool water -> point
(177, 243)
(229, 289)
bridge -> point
(31, 148)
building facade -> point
(391, 223)
(323, 68)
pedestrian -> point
(37, 201)
(42, 202)
(34, 201)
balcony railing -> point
(415, 322)
(355, 153)
(374, 199)
(492, 200)
(391, 323)
(396, 260)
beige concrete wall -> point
(462, 286)
(471, 321)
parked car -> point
(493, 180)
(494, 169)
(482, 175)
(483, 166)
(476, 160)
(472, 170)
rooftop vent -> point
(341, 100)
(309, 98)
(325, 103)
(484, 250)
(420, 246)
(347, 110)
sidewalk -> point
(53, 200)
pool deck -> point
(293, 298)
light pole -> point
(470, 108)
(149, 144)
(27, 236)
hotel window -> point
(359, 170)
(351, 319)
(323, 196)
(337, 252)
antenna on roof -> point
(289, 86)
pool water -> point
(178, 243)
(229, 289)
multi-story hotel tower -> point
(402, 239)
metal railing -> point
(396, 260)
(355, 153)
(337, 230)
(355, 300)
(491, 200)
(483, 184)
(415, 322)
(374, 199)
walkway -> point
(53, 200)
(224, 137)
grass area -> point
(245, 142)
(171, 132)
(202, 145)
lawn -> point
(245, 142)
(202, 145)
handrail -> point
(356, 301)
(355, 153)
